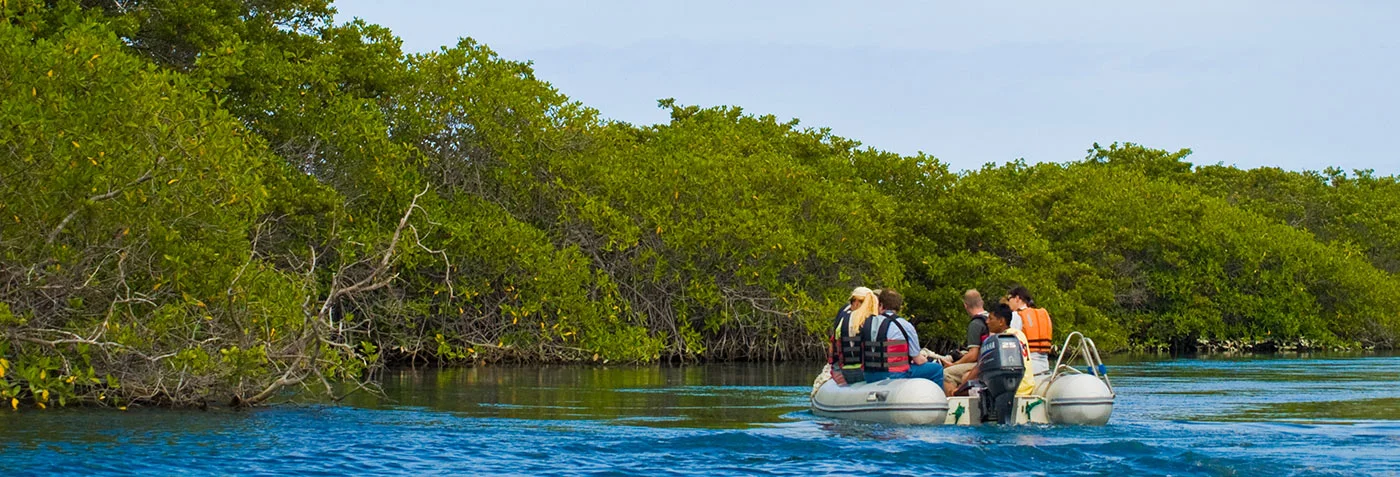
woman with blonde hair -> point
(862, 308)
(844, 358)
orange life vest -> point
(1035, 323)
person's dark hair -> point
(891, 299)
(1024, 294)
(1002, 311)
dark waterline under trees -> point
(218, 201)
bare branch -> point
(101, 197)
(305, 365)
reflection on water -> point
(1291, 389)
(1321, 411)
(715, 396)
(1321, 414)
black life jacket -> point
(845, 356)
(882, 354)
(983, 318)
(842, 315)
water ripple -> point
(1183, 417)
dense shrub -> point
(216, 201)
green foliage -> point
(211, 201)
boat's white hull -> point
(895, 401)
(1069, 397)
(1079, 399)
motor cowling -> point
(1000, 367)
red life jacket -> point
(883, 354)
(985, 331)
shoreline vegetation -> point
(223, 202)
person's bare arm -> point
(970, 356)
(971, 374)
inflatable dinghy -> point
(893, 401)
(1069, 396)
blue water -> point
(1238, 416)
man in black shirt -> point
(956, 374)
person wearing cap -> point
(845, 331)
(858, 296)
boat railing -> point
(1083, 348)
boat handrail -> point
(1090, 352)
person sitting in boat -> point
(891, 346)
(955, 374)
(858, 297)
(844, 357)
(999, 322)
(1035, 323)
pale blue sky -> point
(1294, 84)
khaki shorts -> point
(957, 374)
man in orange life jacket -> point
(1036, 324)
(892, 346)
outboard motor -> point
(1001, 367)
